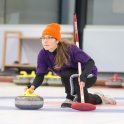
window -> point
(29, 11)
(105, 12)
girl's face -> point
(49, 43)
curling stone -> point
(29, 101)
(52, 79)
(21, 80)
(115, 81)
(24, 78)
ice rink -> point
(51, 113)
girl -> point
(61, 58)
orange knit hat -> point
(52, 29)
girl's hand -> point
(31, 89)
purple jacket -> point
(46, 60)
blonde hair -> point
(62, 56)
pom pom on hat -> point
(52, 29)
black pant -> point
(88, 97)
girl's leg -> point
(65, 78)
(97, 98)
(90, 98)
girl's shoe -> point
(106, 99)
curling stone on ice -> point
(29, 101)
(52, 79)
(115, 81)
(24, 78)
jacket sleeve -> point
(87, 70)
(38, 80)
